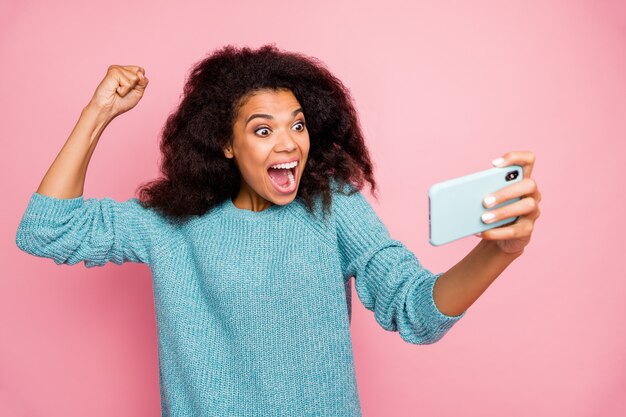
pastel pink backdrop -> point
(442, 88)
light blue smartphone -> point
(455, 205)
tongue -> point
(279, 176)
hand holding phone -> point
(456, 205)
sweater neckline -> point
(232, 209)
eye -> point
(261, 129)
(301, 123)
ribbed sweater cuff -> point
(429, 299)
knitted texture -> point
(252, 308)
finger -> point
(133, 72)
(142, 81)
(136, 75)
(521, 207)
(125, 85)
(524, 158)
(520, 229)
(527, 186)
(129, 80)
(134, 69)
(117, 73)
(535, 215)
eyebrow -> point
(269, 116)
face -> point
(269, 129)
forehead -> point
(268, 101)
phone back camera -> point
(510, 176)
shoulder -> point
(348, 200)
(353, 214)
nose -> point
(286, 143)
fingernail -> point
(497, 161)
(488, 217)
(477, 235)
(489, 200)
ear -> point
(228, 151)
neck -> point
(247, 199)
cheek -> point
(253, 168)
(305, 145)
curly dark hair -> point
(197, 176)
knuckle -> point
(532, 204)
(529, 228)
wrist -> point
(97, 113)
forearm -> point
(459, 287)
(66, 176)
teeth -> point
(286, 165)
(291, 179)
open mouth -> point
(283, 177)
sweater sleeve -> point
(95, 231)
(389, 279)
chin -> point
(283, 200)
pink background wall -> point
(442, 88)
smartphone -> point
(455, 205)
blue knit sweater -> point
(252, 308)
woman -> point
(253, 233)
